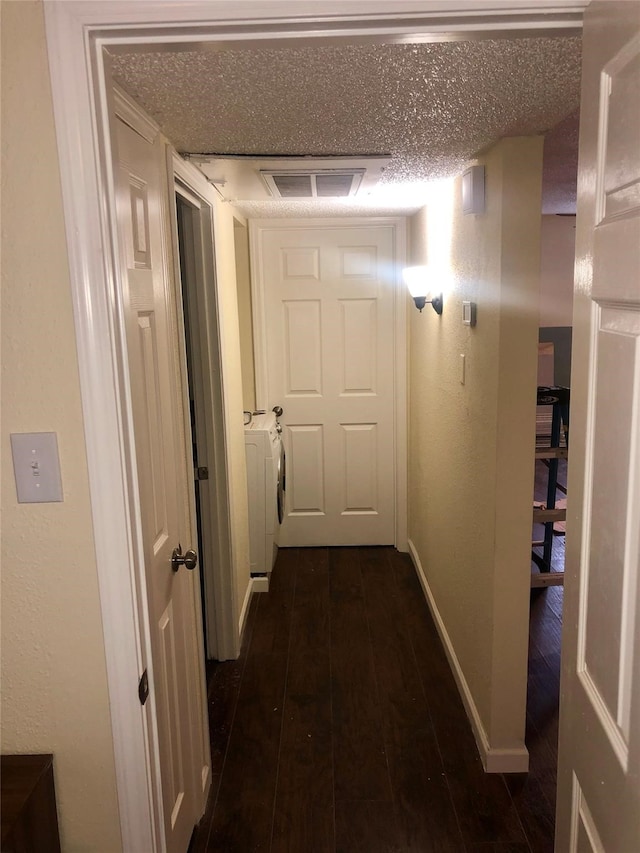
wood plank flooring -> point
(340, 728)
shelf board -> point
(544, 579)
(543, 516)
(552, 453)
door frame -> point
(400, 437)
(76, 33)
(219, 587)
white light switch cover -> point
(36, 467)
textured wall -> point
(243, 275)
(556, 270)
(471, 445)
(54, 691)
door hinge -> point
(143, 688)
(202, 473)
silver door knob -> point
(189, 559)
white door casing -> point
(599, 748)
(164, 474)
(211, 421)
(326, 295)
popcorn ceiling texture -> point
(432, 107)
(560, 166)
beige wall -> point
(243, 274)
(557, 256)
(225, 249)
(54, 689)
(472, 445)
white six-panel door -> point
(599, 755)
(157, 400)
(329, 295)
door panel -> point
(303, 347)
(358, 345)
(330, 329)
(599, 754)
(163, 478)
(305, 469)
(359, 463)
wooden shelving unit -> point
(549, 514)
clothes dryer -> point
(265, 490)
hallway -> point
(340, 727)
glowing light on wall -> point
(421, 283)
(440, 202)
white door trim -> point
(398, 224)
(76, 31)
(221, 593)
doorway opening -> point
(550, 496)
(187, 222)
(195, 271)
(85, 199)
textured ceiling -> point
(560, 169)
(431, 107)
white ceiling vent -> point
(322, 183)
(280, 179)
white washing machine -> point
(265, 488)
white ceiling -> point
(430, 107)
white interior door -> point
(163, 471)
(599, 755)
(330, 344)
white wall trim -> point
(506, 760)
(494, 760)
(400, 425)
(221, 594)
(401, 402)
(100, 342)
(131, 114)
(252, 587)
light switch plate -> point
(36, 466)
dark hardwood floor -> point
(340, 728)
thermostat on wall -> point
(469, 313)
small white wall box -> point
(469, 313)
(473, 190)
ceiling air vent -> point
(240, 177)
(324, 183)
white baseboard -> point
(245, 608)
(506, 760)
(255, 585)
(261, 584)
(494, 760)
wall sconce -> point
(416, 279)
